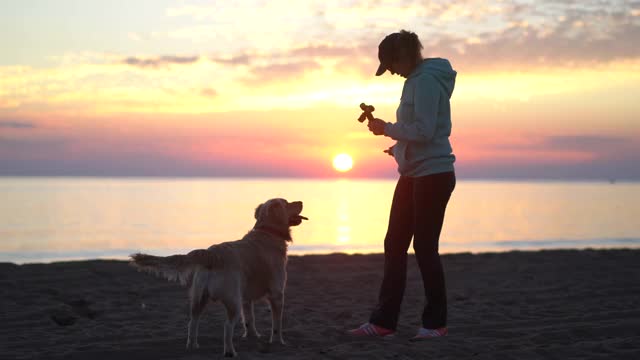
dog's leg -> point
(234, 310)
(197, 306)
(277, 302)
(249, 320)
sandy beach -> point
(519, 305)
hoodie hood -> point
(440, 69)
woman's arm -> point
(426, 98)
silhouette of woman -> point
(427, 179)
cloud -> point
(161, 61)
(523, 47)
(474, 35)
(208, 92)
(620, 169)
(546, 33)
(590, 144)
(16, 151)
(309, 52)
(531, 156)
(585, 142)
(478, 34)
(235, 60)
(334, 48)
(289, 63)
(268, 73)
(328, 51)
(17, 125)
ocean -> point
(65, 218)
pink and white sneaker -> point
(372, 330)
(430, 333)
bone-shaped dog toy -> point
(366, 112)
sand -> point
(564, 304)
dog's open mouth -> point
(296, 220)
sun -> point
(342, 162)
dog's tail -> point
(176, 267)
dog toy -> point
(297, 220)
(366, 112)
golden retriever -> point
(236, 273)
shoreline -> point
(517, 304)
(123, 254)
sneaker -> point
(369, 329)
(430, 333)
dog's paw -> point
(230, 354)
(281, 341)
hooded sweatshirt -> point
(423, 120)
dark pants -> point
(417, 211)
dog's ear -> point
(258, 211)
(265, 210)
(273, 210)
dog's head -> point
(280, 212)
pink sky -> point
(175, 88)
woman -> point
(427, 179)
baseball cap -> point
(386, 52)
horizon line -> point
(344, 177)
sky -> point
(545, 89)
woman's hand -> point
(376, 126)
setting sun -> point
(342, 162)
